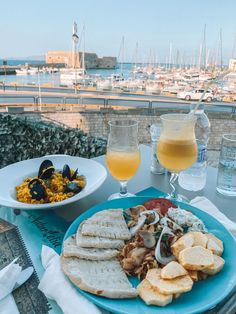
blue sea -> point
(54, 78)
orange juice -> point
(122, 165)
(177, 155)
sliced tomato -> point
(162, 203)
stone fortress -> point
(92, 61)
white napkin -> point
(56, 287)
(8, 278)
(206, 205)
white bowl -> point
(14, 174)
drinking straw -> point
(220, 76)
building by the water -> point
(92, 61)
(232, 65)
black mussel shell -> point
(47, 173)
(37, 190)
(66, 172)
(73, 187)
(46, 169)
(74, 175)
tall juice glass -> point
(123, 156)
(177, 149)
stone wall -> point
(95, 123)
(70, 59)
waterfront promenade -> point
(32, 96)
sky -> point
(33, 27)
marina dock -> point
(8, 70)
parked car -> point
(196, 95)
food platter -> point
(204, 295)
(14, 174)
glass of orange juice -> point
(177, 149)
(123, 156)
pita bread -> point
(71, 249)
(103, 278)
(97, 242)
(108, 223)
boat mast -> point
(221, 51)
(75, 40)
(200, 57)
(170, 55)
(177, 61)
(136, 55)
(83, 55)
(204, 48)
(121, 54)
(234, 45)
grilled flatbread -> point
(70, 249)
(108, 223)
(104, 278)
(97, 242)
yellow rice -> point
(55, 189)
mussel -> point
(66, 173)
(37, 190)
(73, 187)
(46, 170)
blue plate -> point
(204, 295)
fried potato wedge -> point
(200, 239)
(196, 258)
(201, 275)
(171, 286)
(182, 243)
(154, 273)
(151, 296)
(193, 274)
(214, 244)
(216, 267)
(173, 270)
(177, 295)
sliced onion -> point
(149, 240)
(151, 212)
(138, 226)
(161, 259)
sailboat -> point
(75, 75)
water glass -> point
(226, 180)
